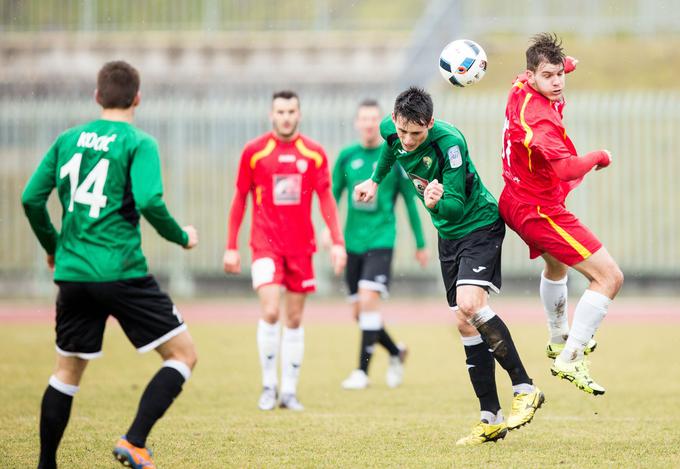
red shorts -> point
(549, 229)
(296, 273)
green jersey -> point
(106, 173)
(372, 225)
(466, 204)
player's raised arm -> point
(147, 190)
(34, 199)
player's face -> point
(285, 117)
(548, 79)
(367, 124)
(411, 134)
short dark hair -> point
(545, 47)
(414, 105)
(285, 94)
(117, 85)
(369, 102)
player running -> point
(470, 238)
(540, 167)
(370, 233)
(107, 173)
(281, 170)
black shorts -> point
(370, 270)
(146, 314)
(474, 259)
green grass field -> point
(215, 422)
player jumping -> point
(370, 233)
(107, 173)
(281, 170)
(540, 167)
(470, 238)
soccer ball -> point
(462, 62)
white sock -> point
(522, 388)
(590, 311)
(292, 351)
(268, 346)
(493, 419)
(554, 298)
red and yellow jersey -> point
(533, 135)
(282, 177)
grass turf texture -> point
(215, 422)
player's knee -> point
(615, 279)
(270, 314)
(467, 307)
(294, 321)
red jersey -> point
(533, 136)
(282, 177)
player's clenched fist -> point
(433, 193)
(605, 160)
(365, 192)
(231, 261)
(192, 234)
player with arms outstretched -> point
(540, 167)
(282, 169)
(470, 238)
(107, 173)
(370, 232)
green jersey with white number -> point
(372, 225)
(466, 204)
(106, 173)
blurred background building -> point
(209, 67)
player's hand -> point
(423, 257)
(50, 261)
(192, 234)
(326, 240)
(338, 258)
(570, 64)
(231, 262)
(605, 161)
(365, 192)
(433, 193)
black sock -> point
(368, 340)
(54, 414)
(386, 341)
(158, 396)
(482, 370)
(496, 334)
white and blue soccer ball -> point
(462, 62)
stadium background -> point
(208, 69)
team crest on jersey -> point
(455, 158)
(356, 164)
(302, 166)
(287, 189)
(427, 161)
(419, 183)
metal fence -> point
(590, 17)
(633, 206)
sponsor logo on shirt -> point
(419, 183)
(401, 151)
(455, 158)
(287, 158)
(287, 189)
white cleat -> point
(395, 370)
(357, 379)
(290, 402)
(267, 399)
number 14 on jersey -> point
(91, 191)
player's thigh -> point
(352, 274)
(298, 274)
(554, 269)
(147, 315)
(376, 272)
(480, 261)
(80, 320)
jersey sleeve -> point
(147, 190)
(407, 191)
(339, 177)
(34, 199)
(385, 163)
(244, 179)
(323, 178)
(454, 173)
